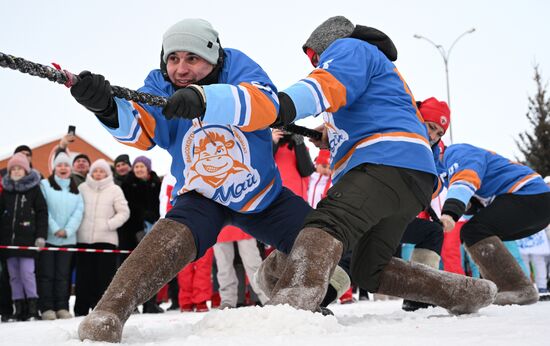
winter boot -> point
(458, 294)
(308, 270)
(155, 261)
(270, 271)
(20, 314)
(151, 306)
(32, 304)
(498, 265)
(429, 258)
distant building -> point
(42, 161)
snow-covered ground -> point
(363, 323)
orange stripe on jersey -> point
(468, 175)
(334, 91)
(378, 136)
(438, 189)
(253, 199)
(262, 110)
(408, 91)
(147, 123)
(523, 180)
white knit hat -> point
(62, 157)
(101, 163)
(547, 179)
(192, 35)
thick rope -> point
(68, 79)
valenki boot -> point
(498, 265)
(458, 294)
(429, 258)
(155, 261)
(309, 267)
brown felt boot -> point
(309, 267)
(155, 261)
(458, 294)
(497, 264)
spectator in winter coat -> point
(224, 253)
(23, 149)
(65, 210)
(321, 180)
(519, 203)
(293, 161)
(221, 103)
(383, 174)
(122, 168)
(105, 210)
(24, 222)
(141, 189)
(81, 167)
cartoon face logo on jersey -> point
(336, 136)
(218, 163)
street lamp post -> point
(445, 55)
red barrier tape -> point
(65, 249)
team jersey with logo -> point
(368, 109)
(228, 156)
(470, 170)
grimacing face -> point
(185, 68)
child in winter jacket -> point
(24, 222)
(105, 210)
(65, 209)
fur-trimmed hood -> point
(24, 184)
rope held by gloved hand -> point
(68, 79)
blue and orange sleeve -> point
(136, 125)
(251, 106)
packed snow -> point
(363, 323)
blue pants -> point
(278, 225)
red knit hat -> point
(436, 111)
(20, 160)
(323, 158)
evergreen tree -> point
(535, 144)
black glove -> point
(187, 103)
(94, 92)
(287, 111)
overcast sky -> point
(491, 70)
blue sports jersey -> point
(368, 109)
(469, 170)
(228, 156)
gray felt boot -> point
(309, 267)
(497, 264)
(458, 294)
(155, 261)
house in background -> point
(42, 154)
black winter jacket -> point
(23, 214)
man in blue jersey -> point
(516, 201)
(215, 127)
(384, 174)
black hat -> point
(82, 156)
(123, 158)
(22, 148)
